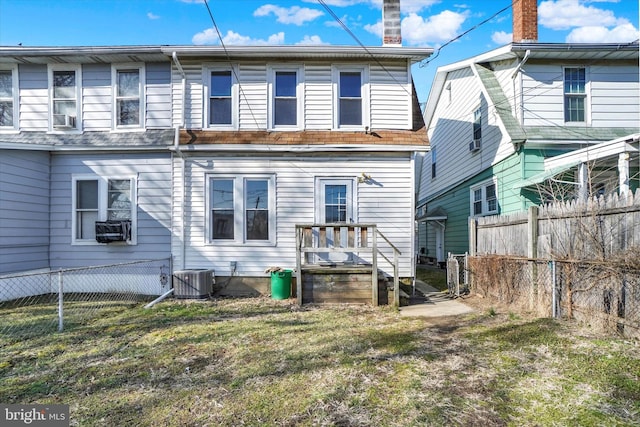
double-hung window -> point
(241, 209)
(286, 96)
(351, 103)
(129, 109)
(101, 199)
(484, 200)
(221, 98)
(64, 97)
(8, 98)
(575, 95)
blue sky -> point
(429, 23)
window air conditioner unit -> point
(64, 121)
(193, 283)
(113, 231)
(475, 145)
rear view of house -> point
(208, 155)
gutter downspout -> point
(513, 79)
(176, 146)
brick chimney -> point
(392, 35)
(525, 20)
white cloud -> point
(565, 14)
(500, 37)
(311, 40)
(599, 34)
(152, 16)
(210, 36)
(436, 28)
(294, 15)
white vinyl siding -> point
(9, 100)
(96, 97)
(317, 97)
(24, 218)
(391, 96)
(388, 203)
(455, 123)
(251, 91)
(158, 95)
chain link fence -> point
(457, 274)
(40, 302)
(599, 294)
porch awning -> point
(543, 176)
(438, 214)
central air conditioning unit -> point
(64, 121)
(474, 145)
(113, 231)
(193, 283)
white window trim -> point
(78, 71)
(271, 76)
(235, 103)
(352, 187)
(335, 77)
(240, 238)
(103, 190)
(142, 93)
(587, 96)
(15, 88)
(485, 210)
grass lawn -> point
(262, 362)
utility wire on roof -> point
(458, 37)
(233, 69)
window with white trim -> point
(8, 98)
(101, 199)
(575, 94)
(484, 200)
(286, 96)
(351, 97)
(241, 209)
(64, 97)
(129, 106)
(221, 109)
(433, 162)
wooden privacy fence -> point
(346, 247)
(592, 229)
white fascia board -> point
(595, 152)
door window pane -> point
(335, 202)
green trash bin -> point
(281, 284)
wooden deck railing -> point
(316, 240)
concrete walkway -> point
(437, 304)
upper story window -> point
(8, 98)
(221, 99)
(484, 200)
(286, 97)
(433, 162)
(351, 97)
(101, 199)
(128, 96)
(575, 94)
(64, 95)
(476, 142)
(241, 209)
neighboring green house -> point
(522, 124)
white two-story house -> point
(207, 155)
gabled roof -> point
(517, 51)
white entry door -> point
(334, 205)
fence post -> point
(554, 299)
(473, 236)
(532, 250)
(60, 302)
